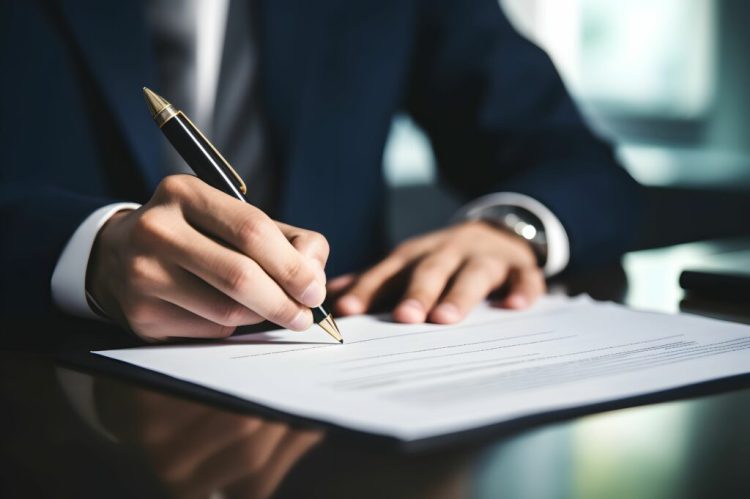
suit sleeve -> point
(500, 119)
(50, 179)
(37, 224)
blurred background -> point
(667, 81)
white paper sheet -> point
(418, 381)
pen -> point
(211, 167)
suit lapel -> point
(114, 42)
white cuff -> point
(69, 278)
(558, 246)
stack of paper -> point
(419, 381)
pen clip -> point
(242, 186)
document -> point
(413, 382)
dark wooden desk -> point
(146, 442)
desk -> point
(155, 444)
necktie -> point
(174, 47)
(237, 123)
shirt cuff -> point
(69, 278)
(558, 246)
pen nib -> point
(156, 103)
(329, 326)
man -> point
(299, 97)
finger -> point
(311, 244)
(360, 297)
(154, 319)
(472, 284)
(427, 282)
(250, 231)
(526, 286)
(242, 279)
(341, 282)
(187, 291)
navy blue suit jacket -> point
(333, 73)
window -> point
(639, 58)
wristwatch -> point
(519, 222)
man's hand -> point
(195, 262)
(441, 276)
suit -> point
(332, 75)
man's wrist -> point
(68, 283)
(557, 244)
(520, 223)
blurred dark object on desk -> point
(677, 215)
(726, 279)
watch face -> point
(522, 223)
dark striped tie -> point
(237, 124)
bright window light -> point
(638, 57)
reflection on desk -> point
(166, 446)
(196, 450)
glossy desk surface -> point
(144, 440)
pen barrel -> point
(200, 155)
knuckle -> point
(429, 269)
(173, 186)
(139, 313)
(294, 275)
(452, 252)
(528, 260)
(138, 271)
(222, 331)
(536, 279)
(321, 243)
(148, 334)
(149, 227)
(252, 229)
(423, 289)
(490, 265)
(239, 279)
(405, 247)
(366, 284)
(170, 187)
(395, 262)
(283, 313)
(231, 314)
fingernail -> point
(411, 310)
(447, 312)
(517, 301)
(320, 274)
(301, 322)
(314, 294)
(350, 304)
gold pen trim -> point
(243, 187)
(162, 111)
(329, 326)
(166, 114)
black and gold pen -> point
(211, 167)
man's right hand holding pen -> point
(195, 262)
